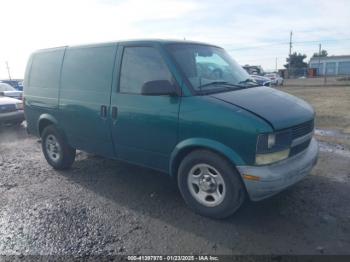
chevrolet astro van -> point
(184, 108)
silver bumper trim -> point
(302, 139)
(276, 177)
(11, 116)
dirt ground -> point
(106, 207)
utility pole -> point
(319, 59)
(290, 53)
(276, 65)
(8, 69)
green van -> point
(184, 108)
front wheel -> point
(210, 185)
(56, 150)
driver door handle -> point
(103, 112)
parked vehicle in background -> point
(7, 90)
(221, 136)
(11, 111)
(261, 80)
(275, 78)
(15, 83)
(254, 69)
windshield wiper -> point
(224, 83)
(248, 80)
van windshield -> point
(209, 69)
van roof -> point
(134, 41)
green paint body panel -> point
(208, 122)
(67, 86)
(86, 82)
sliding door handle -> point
(114, 112)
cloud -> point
(235, 25)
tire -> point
(225, 185)
(56, 150)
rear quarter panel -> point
(41, 86)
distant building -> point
(283, 73)
(331, 65)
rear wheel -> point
(210, 185)
(56, 150)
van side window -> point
(140, 65)
(45, 69)
(88, 69)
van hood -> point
(279, 109)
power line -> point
(325, 40)
(287, 43)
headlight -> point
(273, 147)
(19, 106)
(264, 159)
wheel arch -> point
(187, 146)
(44, 121)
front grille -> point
(299, 148)
(7, 108)
(302, 129)
(299, 131)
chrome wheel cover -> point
(206, 185)
(53, 148)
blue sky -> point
(254, 32)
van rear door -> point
(85, 97)
(144, 128)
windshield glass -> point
(209, 68)
(6, 87)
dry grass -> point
(332, 105)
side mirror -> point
(158, 88)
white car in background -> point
(11, 111)
(275, 79)
(261, 80)
(9, 91)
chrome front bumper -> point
(276, 177)
(17, 115)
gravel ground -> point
(105, 207)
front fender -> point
(203, 143)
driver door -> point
(144, 128)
